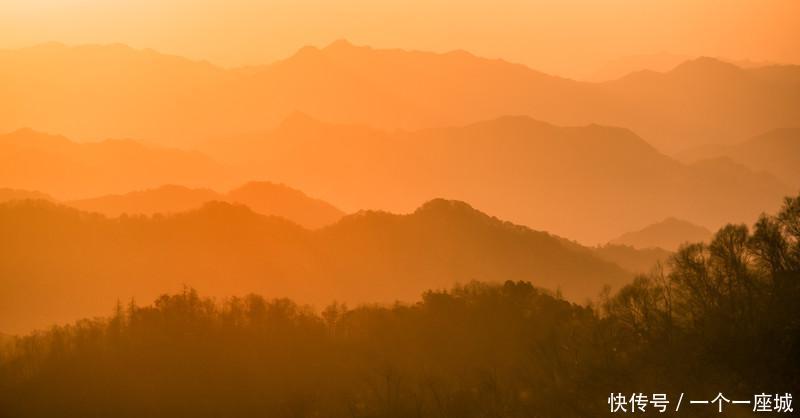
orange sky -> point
(567, 37)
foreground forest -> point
(718, 317)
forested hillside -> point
(722, 317)
(74, 262)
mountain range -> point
(118, 91)
(66, 169)
(588, 183)
(60, 263)
(776, 152)
(659, 62)
(262, 197)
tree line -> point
(716, 317)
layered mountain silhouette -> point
(262, 197)
(59, 263)
(708, 100)
(668, 234)
(67, 169)
(108, 91)
(279, 200)
(118, 91)
(589, 183)
(622, 66)
(776, 151)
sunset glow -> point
(399, 208)
(573, 38)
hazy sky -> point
(568, 37)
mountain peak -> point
(705, 65)
(342, 48)
(446, 207)
(281, 200)
(340, 44)
(668, 234)
(308, 53)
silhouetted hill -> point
(668, 234)
(776, 152)
(38, 161)
(587, 183)
(262, 197)
(164, 199)
(62, 263)
(427, 244)
(706, 68)
(280, 200)
(123, 92)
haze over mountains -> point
(262, 197)
(668, 234)
(116, 91)
(622, 66)
(32, 160)
(777, 152)
(636, 260)
(580, 160)
(75, 263)
(588, 183)
(659, 62)
(468, 226)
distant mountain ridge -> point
(170, 100)
(33, 160)
(658, 62)
(668, 234)
(588, 183)
(262, 197)
(527, 171)
(63, 255)
(776, 152)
